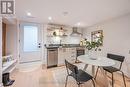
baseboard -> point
(52, 66)
(29, 61)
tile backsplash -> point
(65, 40)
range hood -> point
(75, 32)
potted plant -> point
(93, 47)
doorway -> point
(30, 42)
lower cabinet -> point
(61, 56)
(66, 53)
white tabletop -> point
(100, 61)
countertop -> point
(50, 46)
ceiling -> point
(70, 12)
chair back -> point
(71, 67)
(117, 58)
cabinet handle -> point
(72, 56)
(52, 50)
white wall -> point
(0, 51)
(44, 41)
(12, 40)
(116, 38)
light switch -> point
(129, 51)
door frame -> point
(1, 52)
(19, 36)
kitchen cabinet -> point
(66, 53)
(71, 54)
(61, 55)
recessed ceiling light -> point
(29, 14)
(78, 23)
(50, 18)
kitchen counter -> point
(52, 47)
(57, 53)
(63, 46)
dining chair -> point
(112, 69)
(79, 75)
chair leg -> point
(123, 78)
(66, 81)
(78, 84)
(96, 72)
(112, 80)
(93, 83)
(105, 72)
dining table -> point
(98, 61)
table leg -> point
(93, 69)
(85, 67)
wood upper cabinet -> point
(3, 39)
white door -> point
(30, 42)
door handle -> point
(39, 45)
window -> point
(30, 38)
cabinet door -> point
(61, 56)
(71, 56)
(66, 54)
